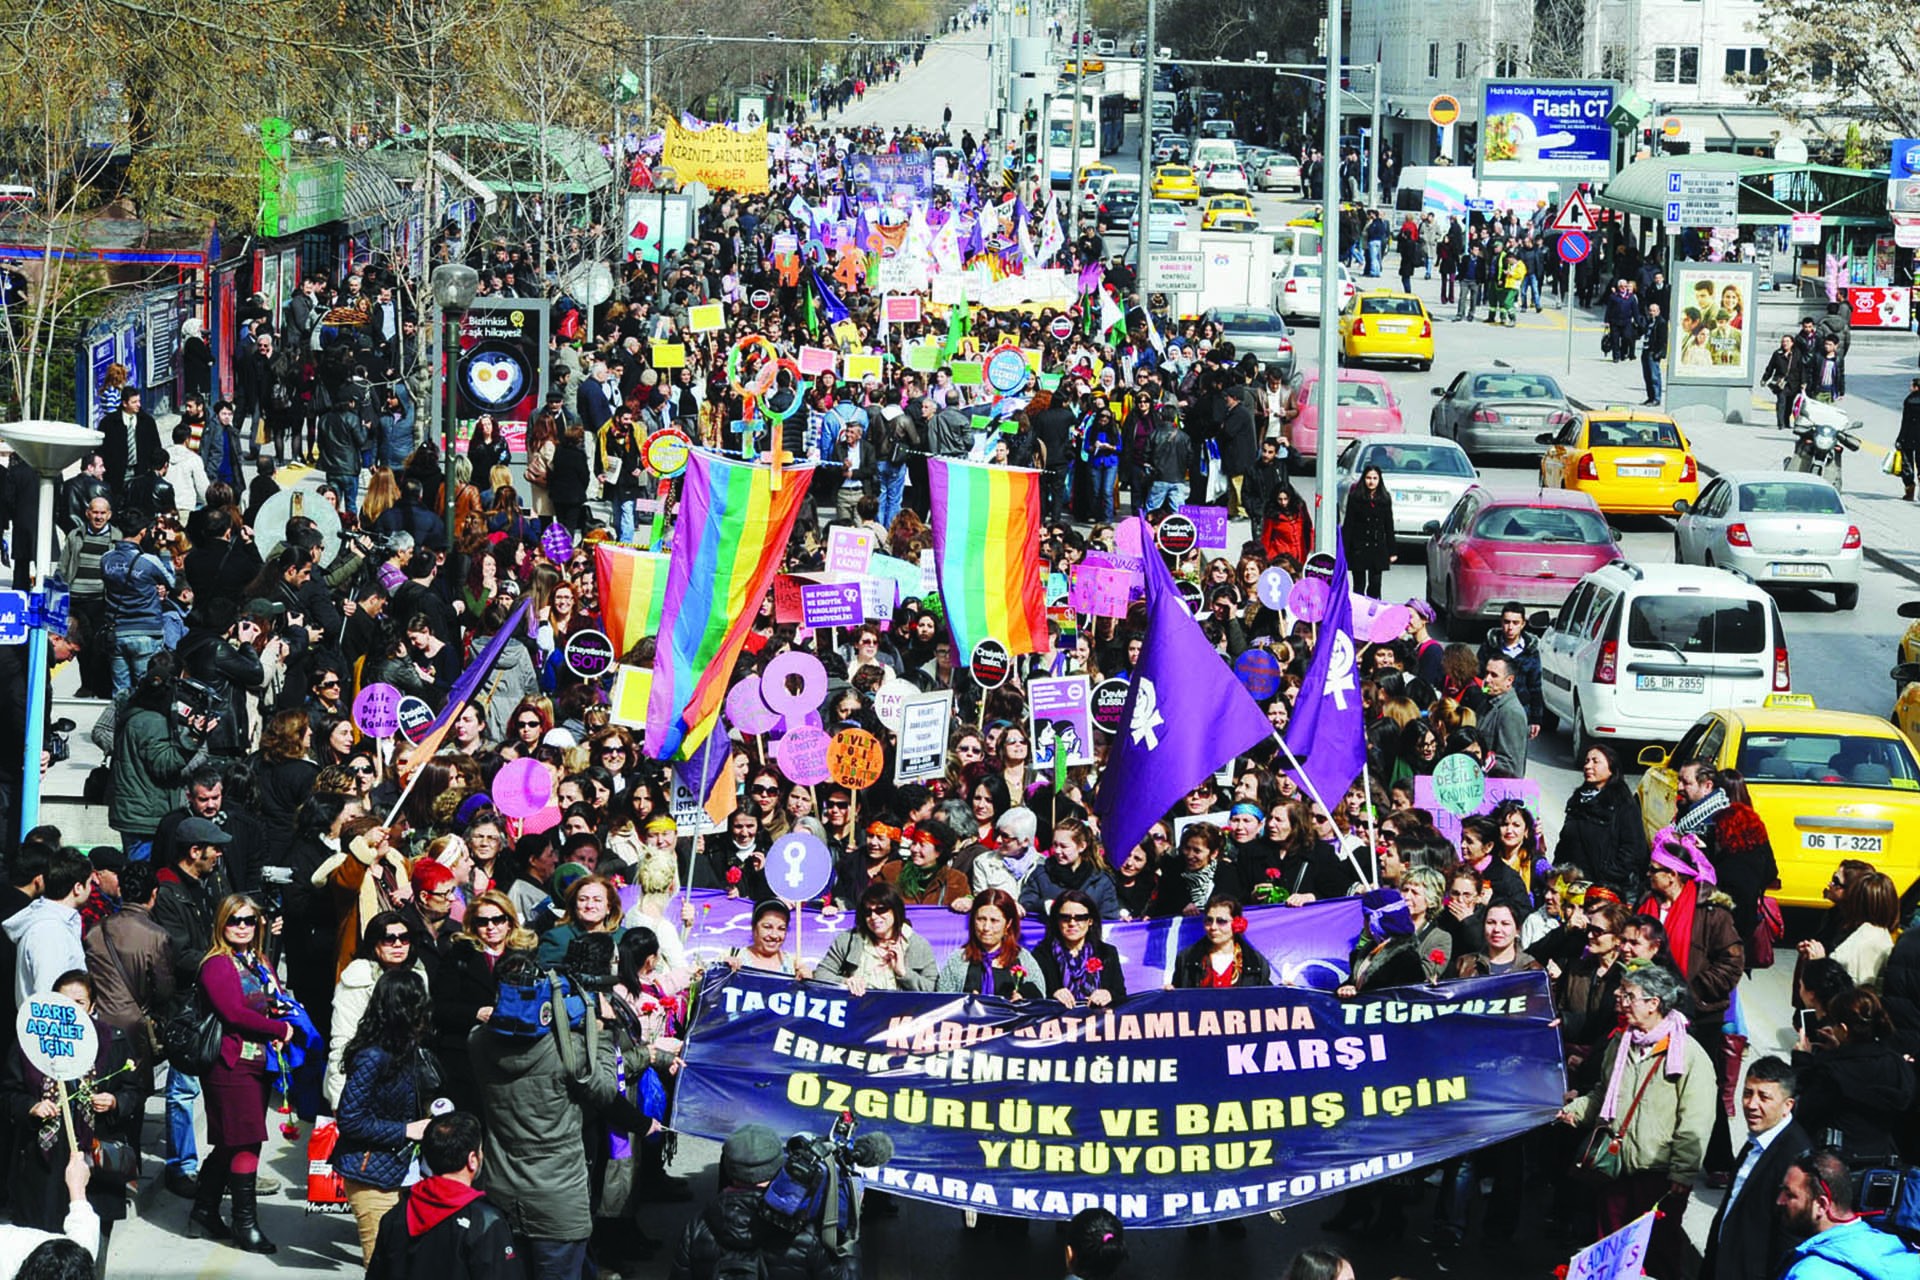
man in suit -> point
(1748, 1239)
(598, 396)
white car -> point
(1164, 217)
(1094, 194)
(1780, 528)
(1296, 290)
(1280, 173)
(1223, 177)
(1425, 477)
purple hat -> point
(1683, 855)
(1424, 609)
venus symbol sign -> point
(799, 866)
(1147, 719)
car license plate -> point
(1799, 571)
(1642, 472)
(1835, 842)
(1393, 328)
(1671, 684)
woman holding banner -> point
(993, 963)
(1076, 965)
(881, 952)
(1222, 957)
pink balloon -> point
(1308, 600)
(745, 709)
(1389, 624)
(522, 788)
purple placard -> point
(1061, 698)
(1525, 790)
(1210, 523)
(376, 710)
(831, 604)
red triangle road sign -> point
(1574, 215)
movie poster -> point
(1711, 323)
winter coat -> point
(133, 603)
(1900, 987)
(1404, 960)
(36, 1190)
(1048, 881)
(150, 761)
(231, 671)
(960, 974)
(374, 1105)
(515, 676)
(1716, 960)
(1861, 1089)
(1190, 968)
(848, 953)
(463, 987)
(1583, 997)
(1668, 1130)
(1111, 978)
(732, 1225)
(950, 434)
(568, 477)
(184, 907)
(130, 959)
(1367, 530)
(472, 1242)
(1526, 670)
(1602, 835)
(351, 996)
(1853, 1250)
(344, 434)
(1239, 440)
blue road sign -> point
(13, 617)
(1574, 246)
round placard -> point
(1259, 673)
(588, 653)
(990, 664)
(1190, 593)
(1006, 370)
(57, 1036)
(760, 299)
(781, 699)
(1459, 785)
(1273, 586)
(376, 710)
(1389, 624)
(522, 788)
(414, 716)
(557, 543)
(802, 755)
(665, 452)
(799, 866)
(890, 703)
(1318, 567)
(1309, 599)
(855, 758)
(745, 709)
(1177, 535)
(751, 342)
(1061, 328)
(1109, 705)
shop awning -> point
(489, 198)
(1771, 191)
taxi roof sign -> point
(1802, 701)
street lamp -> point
(453, 288)
(49, 448)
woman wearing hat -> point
(925, 879)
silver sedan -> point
(1425, 478)
(1499, 410)
(1780, 528)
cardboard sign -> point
(861, 365)
(376, 710)
(414, 715)
(815, 361)
(57, 1036)
(1110, 704)
(855, 758)
(877, 598)
(708, 317)
(1447, 823)
(1210, 525)
(968, 373)
(1053, 699)
(923, 357)
(849, 551)
(786, 600)
(830, 604)
(632, 687)
(925, 721)
(901, 310)
(990, 664)
(1617, 1256)
(669, 355)
(1099, 591)
(904, 574)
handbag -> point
(114, 1160)
(326, 1185)
(191, 1037)
(1600, 1158)
(1216, 478)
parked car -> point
(1530, 547)
(1367, 407)
(1499, 410)
(1296, 291)
(1255, 329)
(1424, 476)
(1780, 528)
(1117, 209)
(1280, 172)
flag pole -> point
(699, 843)
(1300, 772)
(1373, 834)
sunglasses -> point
(876, 911)
(364, 770)
(396, 939)
(613, 751)
(759, 790)
(834, 804)
(1073, 917)
(528, 724)
(488, 922)
(328, 684)
(245, 922)
(1223, 921)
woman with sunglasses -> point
(881, 952)
(612, 749)
(1013, 760)
(763, 796)
(388, 1077)
(1076, 965)
(386, 945)
(1222, 957)
(464, 989)
(527, 726)
(993, 963)
(1584, 989)
(240, 987)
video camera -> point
(819, 1184)
(1886, 1194)
(194, 700)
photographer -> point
(734, 1224)
(220, 664)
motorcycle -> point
(1820, 431)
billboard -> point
(503, 366)
(1711, 323)
(1545, 129)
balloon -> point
(1389, 624)
(522, 788)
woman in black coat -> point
(1367, 530)
(567, 479)
(1602, 832)
(1076, 966)
(463, 990)
(1853, 1079)
(1222, 957)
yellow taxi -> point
(1385, 324)
(1218, 207)
(1830, 785)
(1089, 172)
(1628, 461)
(1175, 182)
(1906, 675)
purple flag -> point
(1185, 716)
(1328, 732)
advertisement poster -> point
(1877, 307)
(1545, 129)
(1712, 323)
(503, 368)
(1172, 1108)
(654, 214)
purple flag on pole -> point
(1327, 731)
(1186, 714)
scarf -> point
(1679, 924)
(914, 879)
(1696, 821)
(1073, 969)
(1198, 884)
(1671, 1033)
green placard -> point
(968, 373)
(924, 357)
(981, 421)
(1049, 382)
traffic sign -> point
(1670, 127)
(1444, 110)
(1177, 271)
(1574, 246)
(1574, 215)
(1702, 199)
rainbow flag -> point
(986, 547)
(633, 587)
(727, 546)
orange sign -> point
(1670, 127)
(854, 758)
(1444, 110)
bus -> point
(1059, 158)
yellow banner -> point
(718, 156)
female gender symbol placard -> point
(522, 788)
(779, 698)
(746, 711)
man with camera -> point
(736, 1234)
(221, 657)
(189, 891)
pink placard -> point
(1101, 592)
(818, 360)
(802, 755)
(903, 309)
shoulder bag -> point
(1600, 1159)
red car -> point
(1533, 548)
(1367, 407)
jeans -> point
(1650, 370)
(182, 1089)
(1374, 248)
(893, 483)
(131, 654)
(348, 487)
(553, 1259)
(1104, 479)
(1469, 299)
(1530, 288)
(1170, 495)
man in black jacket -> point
(1238, 446)
(444, 1229)
(246, 849)
(1512, 640)
(131, 445)
(732, 1228)
(189, 892)
(1748, 1239)
(1053, 425)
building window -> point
(1821, 68)
(1433, 60)
(1676, 64)
(1506, 60)
(1747, 62)
(1614, 63)
(1460, 60)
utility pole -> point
(1144, 205)
(1079, 97)
(1373, 150)
(1327, 397)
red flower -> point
(1239, 924)
(1437, 956)
(1018, 971)
(1273, 873)
(1093, 965)
(733, 875)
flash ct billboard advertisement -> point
(1545, 129)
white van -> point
(1640, 652)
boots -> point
(1906, 481)
(204, 1223)
(246, 1215)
